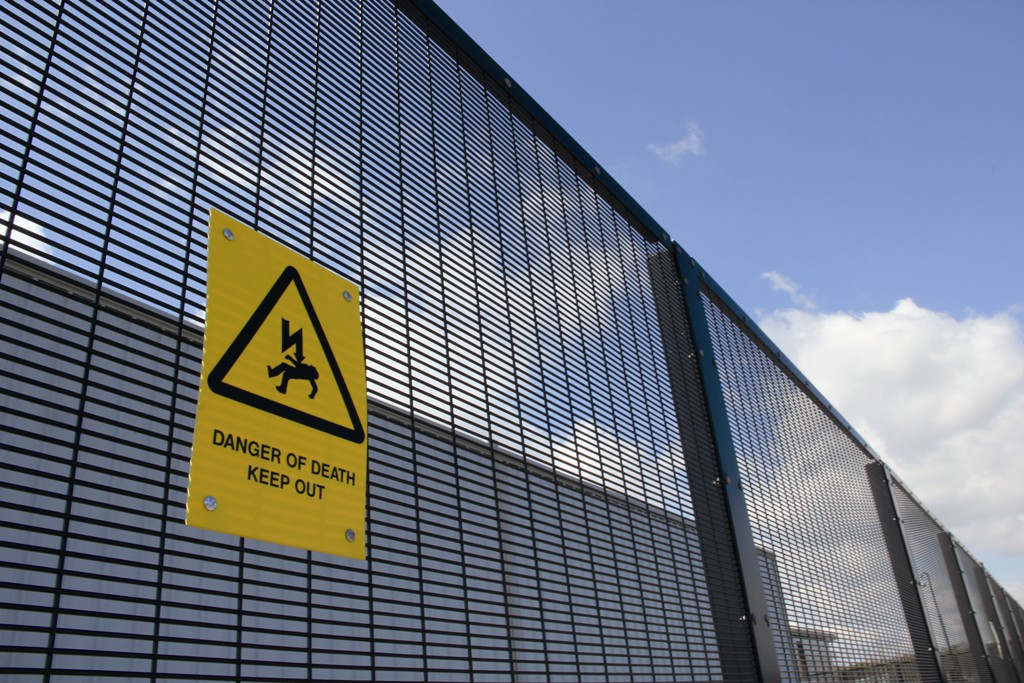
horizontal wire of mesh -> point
(825, 567)
(529, 517)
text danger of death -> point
(270, 453)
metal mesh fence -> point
(482, 565)
(1014, 633)
(814, 519)
(996, 652)
(545, 499)
(925, 538)
(528, 512)
(1010, 642)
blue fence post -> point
(757, 613)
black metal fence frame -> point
(743, 575)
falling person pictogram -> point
(294, 368)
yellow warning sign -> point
(279, 452)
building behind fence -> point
(585, 462)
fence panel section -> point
(947, 625)
(826, 573)
(529, 508)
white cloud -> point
(940, 399)
(636, 467)
(27, 235)
(693, 144)
(781, 283)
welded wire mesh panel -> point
(1015, 631)
(92, 424)
(946, 622)
(481, 567)
(529, 511)
(1012, 654)
(986, 617)
(1016, 635)
(544, 498)
(595, 587)
(826, 569)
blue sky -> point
(853, 175)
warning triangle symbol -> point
(337, 421)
